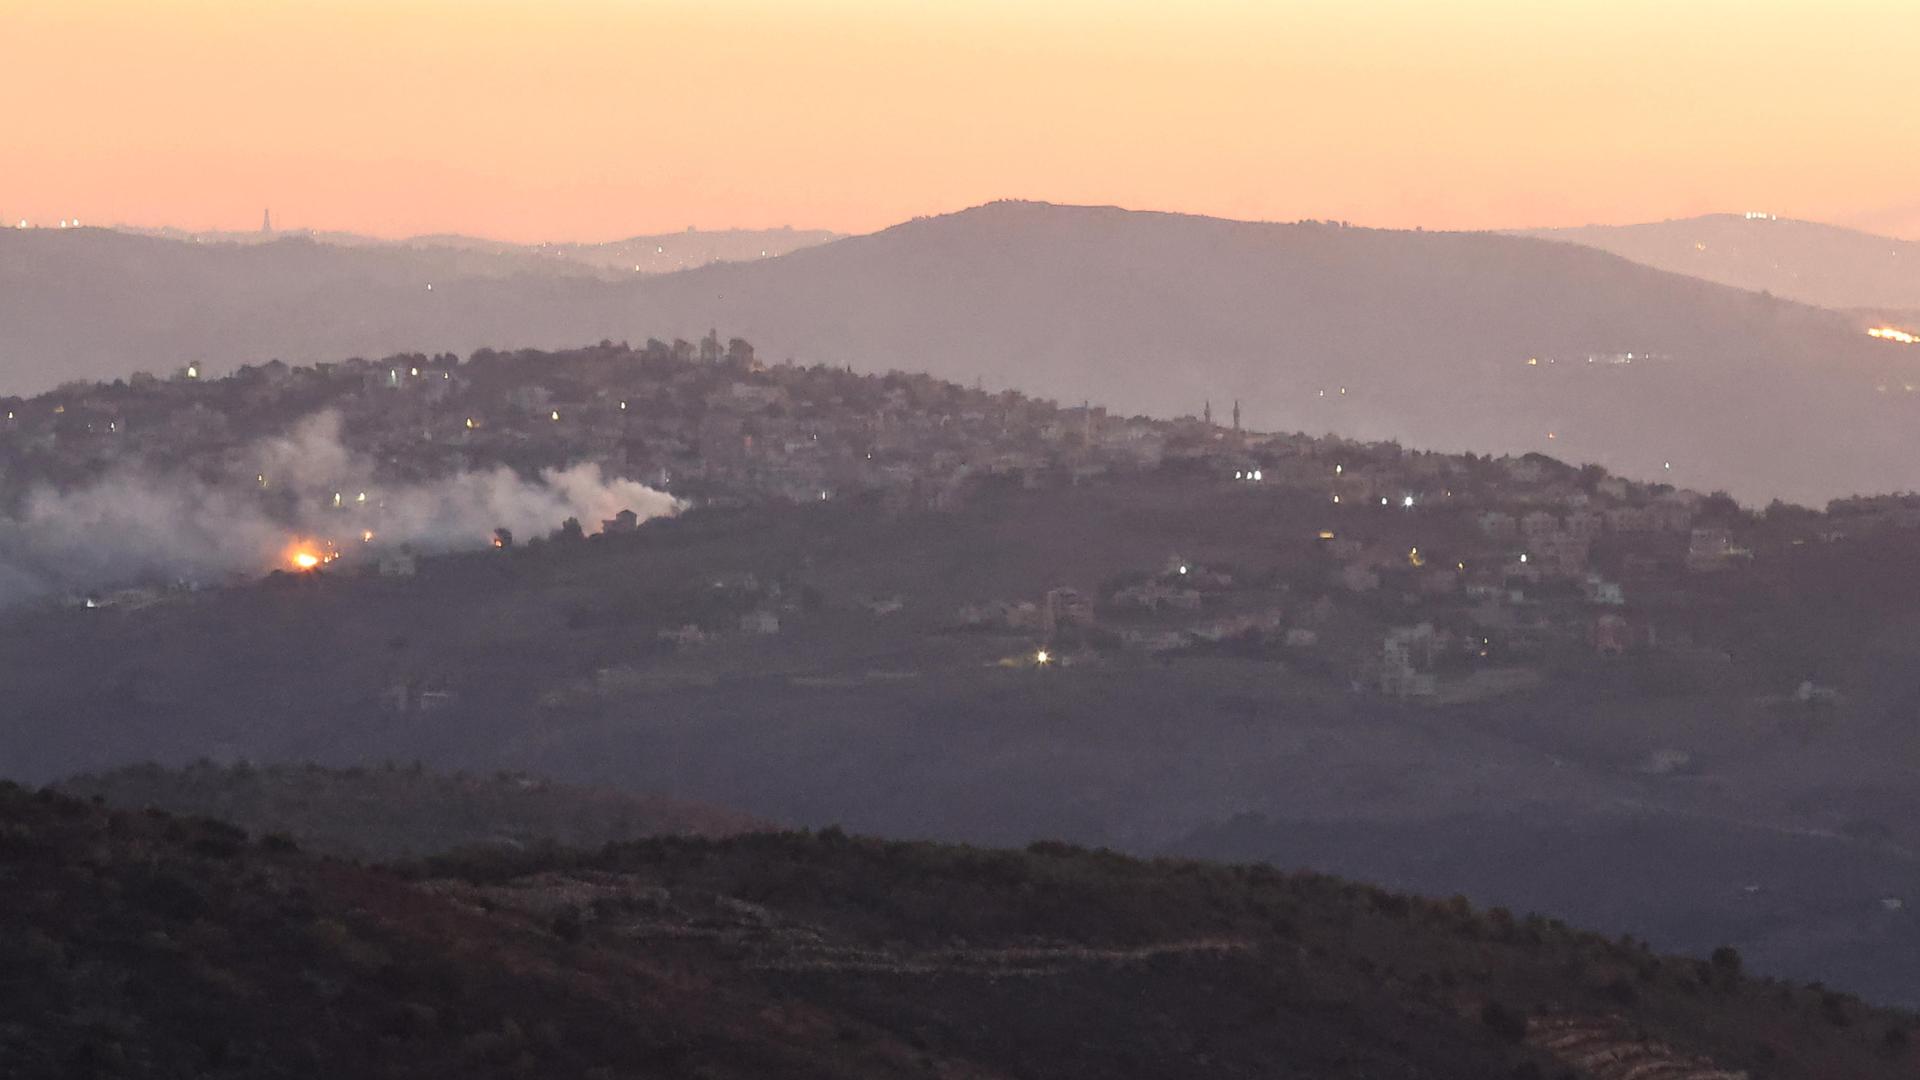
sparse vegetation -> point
(153, 945)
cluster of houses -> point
(1501, 576)
(707, 421)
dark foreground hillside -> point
(149, 945)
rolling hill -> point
(147, 945)
(1453, 341)
(1798, 260)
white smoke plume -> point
(138, 525)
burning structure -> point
(293, 502)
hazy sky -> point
(590, 119)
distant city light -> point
(1043, 657)
(1407, 501)
(555, 415)
(1888, 333)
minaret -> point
(1236, 416)
(266, 222)
(1206, 413)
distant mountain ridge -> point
(650, 253)
(1455, 341)
(1806, 261)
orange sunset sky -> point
(593, 119)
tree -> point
(1720, 507)
(1726, 965)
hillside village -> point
(1421, 576)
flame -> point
(1889, 333)
(306, 555)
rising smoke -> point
(140, 525)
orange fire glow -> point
(306, 555)
(1888, 333)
